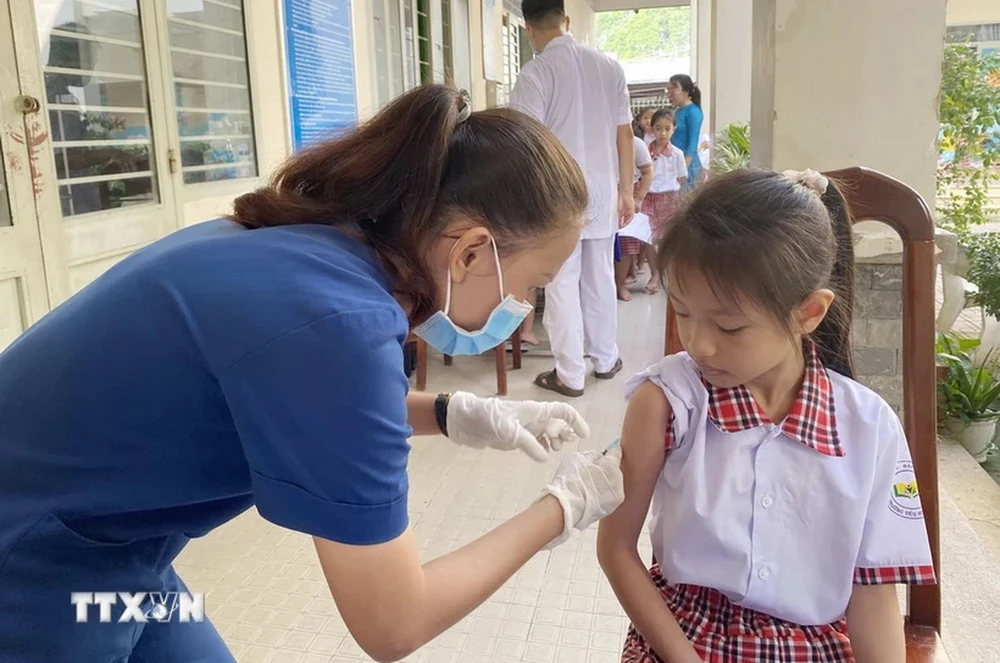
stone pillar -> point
(840, 84)
(732, 41)
(877, 333)
(702, 12)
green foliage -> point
(969, 111)
(732, 148)
(983, 251)
(645, 34)
(971, 391)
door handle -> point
(27, 104)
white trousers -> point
(581, 311)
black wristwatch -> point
(441, 412)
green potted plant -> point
(967, 397)
(732, 148)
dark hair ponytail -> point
(833, 336)
(770, 239)
(689, 86)
(396, 180)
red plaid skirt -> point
(722, 632)
(630, 245)
(660, 208)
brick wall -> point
(878, 327)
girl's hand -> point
(638, 202)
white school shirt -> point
(667, 167)
(785, 519)
(642, 158)
(581, 95)
(705, 155)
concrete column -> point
(732, 42)
(702, 12)
(838, 86)
(582, 21)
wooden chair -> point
(874, 196)
(501, 362)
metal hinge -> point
(172, 160)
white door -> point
(107, 189)
(23, 297)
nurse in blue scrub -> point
(258, 361)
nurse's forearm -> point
(420, 413)
(393, 606)
(456, 583)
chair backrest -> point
(877, 197)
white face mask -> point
(448, 338)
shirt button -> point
(764, 573)
(767, 501)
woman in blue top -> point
(686, 97)
(258, 361)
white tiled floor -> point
(265, 590)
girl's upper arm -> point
(644, 449)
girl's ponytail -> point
(833, 336)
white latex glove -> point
(589, 485)
(530, 426)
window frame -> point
(438, 67)
(194, 191)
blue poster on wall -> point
(320, 60)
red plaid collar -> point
(812, 419)
(655, 154)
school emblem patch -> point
(905, 498)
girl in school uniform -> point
(784, 503)
(669, 174)
(630, 247)
(644, 121)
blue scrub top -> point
(217, 369)
(687, 135)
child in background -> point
(784, 504)
(704, 156)
(669, 174)
(630, 247)
(644, 119)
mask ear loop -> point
(496, 258)
(447, 290)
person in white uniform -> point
(581, 95)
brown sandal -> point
(615, 370)
(549, 380)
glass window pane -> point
(6, 216)
(98, 100)
(409, 57)
(211, 90)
